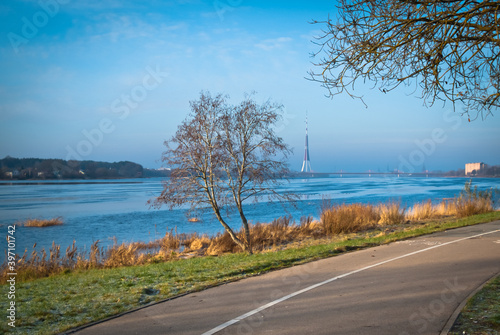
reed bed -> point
(334, 220)
(344, 219)
(41, 222)
(426, 210)
(470, 202)
(391, 214)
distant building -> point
(473, 168)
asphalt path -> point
(408, 287)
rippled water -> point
(107, 210)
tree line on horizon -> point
(38, 168)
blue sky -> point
(111, 80)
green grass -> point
(481, 315)
(64, 301)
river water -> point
(117, 210)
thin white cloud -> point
(114, 27)
(95, 5)
(274, 43)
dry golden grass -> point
(391, 214)
(344, 219)
(472, 201)
(460, 207)
(124, 255)
(424, 210)
(468, 207)
(278, 231)
(264, 236)
(42, 222)
(199, 243)
(39, 264)
(445, 208)
(222, 243)
(170, 242)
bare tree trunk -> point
(229, 230)
(247, 231)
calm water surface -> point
(108, 210)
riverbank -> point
(74, 298)
(111, 212)
(334, 220)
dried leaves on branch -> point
(450, 50)
(224, 155)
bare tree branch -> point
(449, 48)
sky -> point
(111, 80)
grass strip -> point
(64, 301)
(481, 314)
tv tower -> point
(306, 165)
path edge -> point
(453, 318)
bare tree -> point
(223, 156)
(449, 49)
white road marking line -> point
(291, 295)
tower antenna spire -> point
(306, 165)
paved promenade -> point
(407, 287)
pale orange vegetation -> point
(41, 222)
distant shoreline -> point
(37, 169)
(65, 182)
(139, 180)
